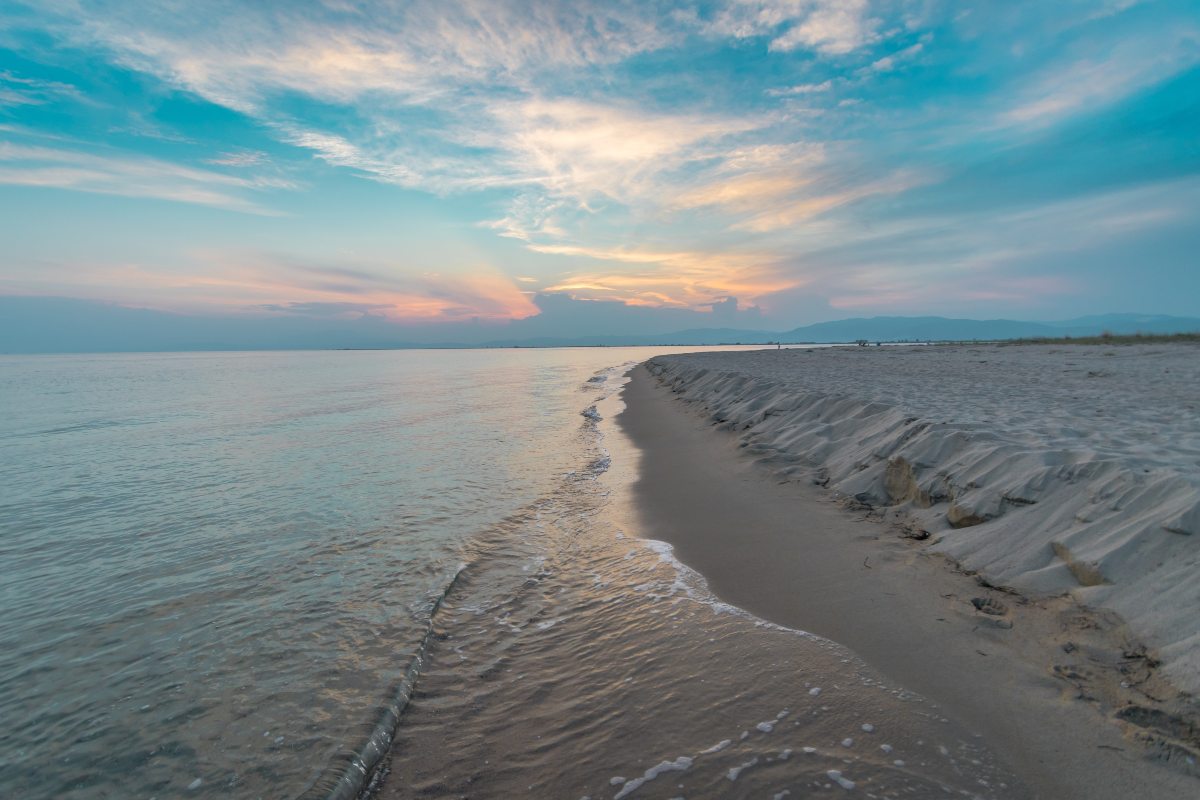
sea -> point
(414, 573)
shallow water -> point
(573, 659)
(224, 573)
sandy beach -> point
(1010, 531)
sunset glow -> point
(439, 162)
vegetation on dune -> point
(1111, 338)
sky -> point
(738, 163)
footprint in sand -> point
(989, 606)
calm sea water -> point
(223, 575)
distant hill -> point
(62, 325)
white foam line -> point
(735, 772)
(840, 780)
(678, 765)
(695, 587)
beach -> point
(605, 573)
(492, 399)
(1009, 531)
(556, 573)
(577, 656)
(423, 572)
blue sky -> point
(439, 162)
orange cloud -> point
(673, 278)
(247, 283)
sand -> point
(998, 457)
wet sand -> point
(1040, 693)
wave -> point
(90, 425)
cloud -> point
(483, 75)
(239, 158)
(889, 63)
(240, 55)
(394, 290)
(831, 27)
(560, 157)
(802, 88)
(585, 151)
(237, 280)
(16, 90)
(693, 279)
(793, 212)
(1092, 81)
(638, 152)
(129, 176)
(561, 315)
(931, 264)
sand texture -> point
(1049, 469)
(1061, 693)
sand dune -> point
(1049, 469)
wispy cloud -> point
(890, 62)
(239, 158)
(250, 281)
(25, 165)
(239, 55)
(16, 90)
(802, 88)
(985, 256)
(655, 153)
(485, 71)
(584, 151)
(828, 26)
(644, 276)
(1089, 81)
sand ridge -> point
(1046, 468)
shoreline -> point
(1032, 679)
(574, 658)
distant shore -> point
(1006, 530)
